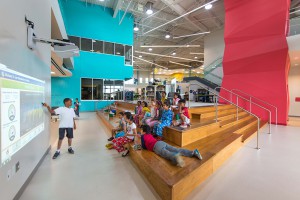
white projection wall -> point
(22, 117)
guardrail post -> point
(258, 125)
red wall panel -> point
(256, 58)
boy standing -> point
(66, 124)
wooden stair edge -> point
(104, 120)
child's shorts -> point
(120, 134)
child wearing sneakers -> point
(119, 143)
(184, 116)
(66, 124)
(165, 150)
(119, 130)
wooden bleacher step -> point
(183, 137)
(210, 108)
(250, 130)
(172, 182)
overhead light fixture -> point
(154, 54)
(149, 10)
(101, 0)
(140, 56)
(168, 36)
(202, 33)
(150, 49)
(151, 62)
(208, 6)
(169, 46)
(185, 14)
(136, 28)
(194, 53)
(52, 72)
(174, 53)
(195, 57)
(179, 64)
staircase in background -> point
(203, 81)
(214, 71)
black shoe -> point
(126, 153)
(110, 139)
(70, 150)
(56, 155)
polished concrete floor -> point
(272, 173)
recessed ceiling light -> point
(52, 72)
(196, 57)
(167, 36)
(174, 53)
(208, 6)
(136, 28)
(149, 12)
(140, 56)
(150, 49)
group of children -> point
(151, 123)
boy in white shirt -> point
(66, 124)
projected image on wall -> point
(22, 117)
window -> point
(151, 80)
(141, 80)
(75, 40)
(109, 48)
(97, 89)
(119, 49)
(130, 81)
(128, 55)
(86, 44)
(98, 46)
(86, 89)
(146, 80)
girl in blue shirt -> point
(166, 119)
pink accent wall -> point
(256, 58)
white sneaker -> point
(183, 126)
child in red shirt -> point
(184, 116)
(165, 150)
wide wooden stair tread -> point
(216, 141)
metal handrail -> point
(232, 93)
(260, 101)
(218, 96)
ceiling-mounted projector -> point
(64, 48)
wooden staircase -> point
(216, 141)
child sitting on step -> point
(158, 114)
(166, 119)
(119, 130)
(119, 143)
(184, 116)
(165, 150)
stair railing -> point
(251, 102)
(265, 102)
(216, 96)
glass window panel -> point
(75, 40)
(98, 46)
(146, 80)
(109, 48)
(128, 55)
(86, 44)
(130, 81)
(86, 89)
(98, 89)
(119, 49)
(141, 80)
